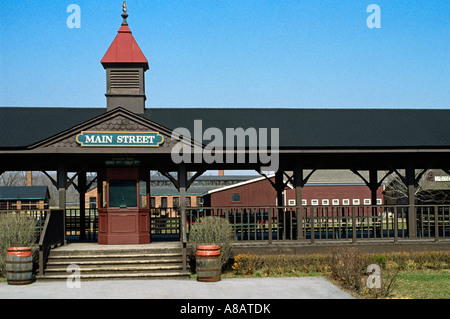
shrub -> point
(248, 264)
(348, 267)
(213, 230)
(16, 230)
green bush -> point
(213, 230)
(248, 264)
(16, 230)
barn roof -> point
(24, 192)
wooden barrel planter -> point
(19, 266)
(208, 263)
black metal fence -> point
(288, 223)
(331, 222)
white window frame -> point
(367, 201)
(379, 201)
(304, 202)
(335, 201)
(291, 202)
(325, 202)
(355, 201)
(314, 202)
(346, 202)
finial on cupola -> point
(124, 13)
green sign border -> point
(114, 134)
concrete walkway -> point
(236, 288)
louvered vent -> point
(124, 79)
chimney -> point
(125, 65)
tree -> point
(428, 189)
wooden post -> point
(298, 184)
(82, 192)
(182, 180)
(61, 185)
(410, 187)
(353, 225)
(373, 182)
(280, 201)
(436, 223)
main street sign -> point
(120, 139)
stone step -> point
(119, 276)
(155, 251)
(80, 257)
(115, 270)
(105, 262)
(121, 262)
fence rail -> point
(330, 222)
(287, 223)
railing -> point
(272, 224)
(334, 223)
(39, 215)
(74, 228)
(52, 234)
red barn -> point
(326, 187)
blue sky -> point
(232, 53)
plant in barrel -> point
(212, 238)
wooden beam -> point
(174, 181)
(52, 180)
(194, 177)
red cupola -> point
(125, 65)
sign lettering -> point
(120, 139)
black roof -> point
(299, 128)
(24, 192)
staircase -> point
(107, 262)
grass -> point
(417, 284)
(423, 285)
(421, 275)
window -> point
(122, 194)
(325, 202)
(152, 202)
(346, 202)
(236, 197)
(304, 202)
(199, 201)
(366, 201)
(291, 202)
(314, 202)
(379, 201)
(176, 202)
(188, 201)
(163, 202)
(355, 201)
(335, 201)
